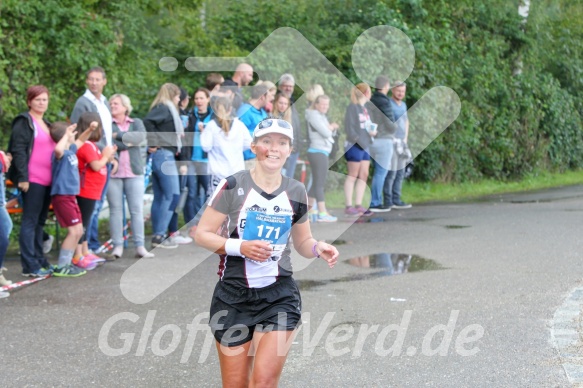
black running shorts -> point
(236, 313)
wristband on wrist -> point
(233, 246)
(315, 251)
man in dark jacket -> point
(381, 150)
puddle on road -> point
(419, 219)
(338, 242)
(365, 220)
(388, 263)
(457, 226)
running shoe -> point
(401, 205)
(159, 242)
(363, 211)
(352, 211)
(380, 209)
(37, 274)
(325, 217)
(84, 262)
(180, 239)
(96, 259)
(69, 271)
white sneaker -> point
(4, 294)
(142, 253)
(117, 252)
(48, 244)
(180, 239)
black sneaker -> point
(401, 205)
(380, 209)
(159, 242)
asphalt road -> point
(486, 294)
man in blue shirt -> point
(394, 180)
(253, 112)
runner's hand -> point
(256, 250)
(327, 252)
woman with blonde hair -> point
(359, 132)
(224, 139)
(313, 92)
(166, 131)
(282, 107)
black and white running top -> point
(253, 214)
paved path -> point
(497, 302)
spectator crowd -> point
(184, 147)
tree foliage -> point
(509, 125)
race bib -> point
(271, 228)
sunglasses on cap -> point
(269, 122)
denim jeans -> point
(4, 216)
(394, 182)
(381, 151)
(92, 230)
(166, 190)
(35, 208)
(197, 183)
(133, 188)
(289, 168)
(5, 222)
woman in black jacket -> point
(358, 127)
(166, 132)
(32, 148)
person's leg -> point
(202, 184)
(38, 242)
(134, 191)
(236, 364)
(86, 207)
(290, 165)
(168, 189)
(318, 179)
(192, 198)
(70, 244)
(92, 231)
(311, 191)
(362, 178)
(5, 219)
(4, 241)
(389, 181)
(173, 224)
(157, 200)
(320, 173)
(32, 207)
(115, 201)
(381, 151)
(271, 350)
(397, 187)
(353, 170)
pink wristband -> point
(315, 251)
